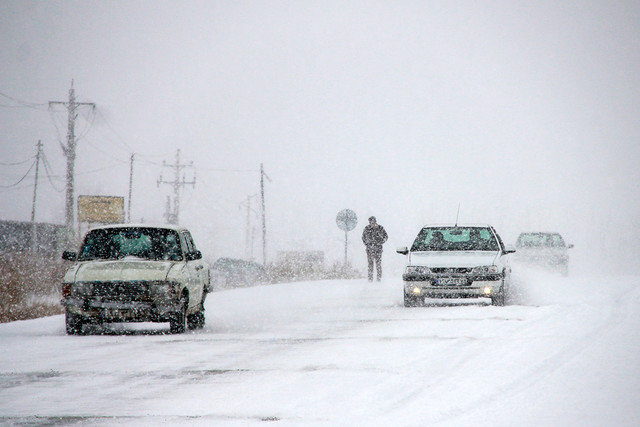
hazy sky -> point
(525, 113)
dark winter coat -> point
(373, 236)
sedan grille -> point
(451, 270)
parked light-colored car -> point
(136, 273)
(546, 250)
(456, 261)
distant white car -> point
(456, 261)
(546, 250)
(136, 273)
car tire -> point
(498, 299)
(73, 323)
(411, 301)
(196, 320)
(178, 322)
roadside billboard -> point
(101, 209)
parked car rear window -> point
(455, 239)
(143, 242)
(540, 240)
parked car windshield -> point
(455, 239)
(140, 242)
(538, 240)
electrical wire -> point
(21, 179)
(16, 163)
(105, 153)
(47, 168)
(23, 104)
(55, 124)
(120, 139)
(87, 128)
(19, 187)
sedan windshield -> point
(140, 242)
(455, 239)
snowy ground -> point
(343, 352)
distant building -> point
(15, 236)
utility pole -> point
(264, 222)
(70, 153)
(172, 218)
(248, 242)
(130, 186)
(34, 235)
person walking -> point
(373, 237)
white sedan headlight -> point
(486, 269)
(417, 269)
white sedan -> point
(456, 261)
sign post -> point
(346, 220)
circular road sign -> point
(346, 220)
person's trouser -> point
(374, 256)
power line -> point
(23, 104)
(121, 140)
(88, 127)
(47, 168)
(105, 153)
(228, 170)
(16, 163)
(21, 179)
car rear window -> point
(536, 240)
(455, 239)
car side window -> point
(187, 244)
(190, 243)
(557, 241)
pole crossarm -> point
(177, 183)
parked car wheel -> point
(73, 323)
(178, 322)
(196, 320)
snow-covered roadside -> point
(345, 352)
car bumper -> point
(121, 311)
(477, 289)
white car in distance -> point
(136, 273)
(456, 261)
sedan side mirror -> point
(69, 255)
(570, 246)
(509, 250)
(192, 256)
(403, 250)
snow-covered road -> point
(567, 352)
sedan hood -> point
(452, 258)
(121, 270)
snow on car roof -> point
(458, 225)
(163, 226)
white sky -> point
(525, 113)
